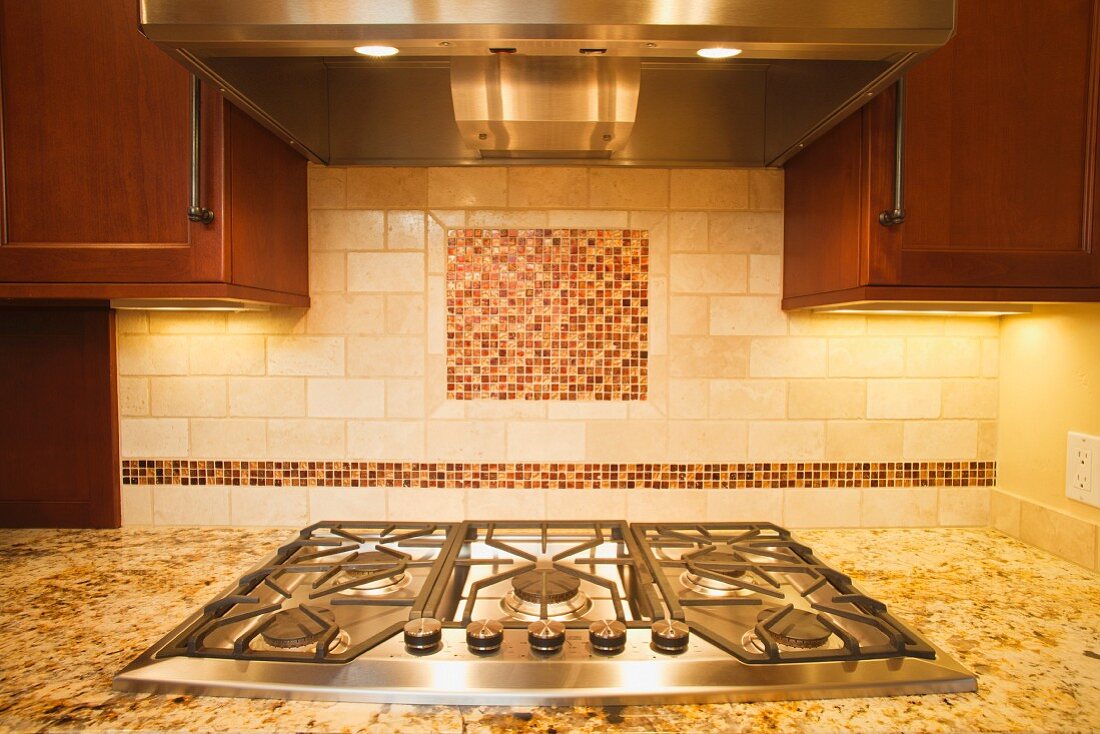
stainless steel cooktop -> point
(551, 613)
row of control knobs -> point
(546, 636)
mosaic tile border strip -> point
(559, 475)
(547, 314)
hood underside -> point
(500, 81)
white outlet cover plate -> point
(1079, 444)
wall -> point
(1050, 384)
(811, 420)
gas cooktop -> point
(530, 613)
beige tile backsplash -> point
(360, 375)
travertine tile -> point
(351, 229)
(550, 441)
(898, 325)
(184, 505)
(688, 398)
(722, 356)
(987, 440)
(658, 316)
(655, 225)
(991, 355)
(386, 272)
(137, 505)
(639, 188)
(708, 273)
(404, 398)
(964, 506)
(812, 323)
(305, 438)
(689, 315)
(467, 187)
(437, 315)
(934, 440)
(688, 232)
(327, 272)
(866, 357)
(405, 230)
(186, 322)
(235, 438)
(347, 503)
(586, 410)
(633, 441)
(586, 504)
(226, 355)
(826, 399)
(1062, 535)
(766, 189)
(863, 440)
(345, 398)
(327, 187)
(709, 189)
(405, 314)
(970, 398)
(508, 219)
(744, 399)
(786, 441)
(709, 441)
(666, 505)
(386, 440)
(133, 396)
(269, 506)
(973, 326)
(506, 504)
(340, 313)
(385, 356)
(821, 508)
(489, 409)
(267, 397)
(433, 505)
(765, 274)
(465, 440)
(188, 396)
(787, 357)
(547, 186)
(152, 355)
(276, 321)
(745, 505)
(900, 507)
(756, 232)
(160, 437)
(943, 357)
(312, 356)
(131, 322)
(383, 188)
(1004, 512)
(903, 398)
(587, 219)
(747, 316)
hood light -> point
(720, 52)
(376, 51)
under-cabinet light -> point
(938, 309)
(376, 51)
(718, 52)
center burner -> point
(559, 591)
(719, 564)
(301, 627)
(381, 573)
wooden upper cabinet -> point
(96, 170)
(1000, 160)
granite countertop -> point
(78, 605)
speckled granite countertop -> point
(75, 606)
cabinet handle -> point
(195, 212)
(894, 216)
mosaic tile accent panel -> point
(547, 314)
(559, 476)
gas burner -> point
(558, 590)
(796, 630)
(374, 562)
(300, 628)
(717, 562)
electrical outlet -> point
(1083, 468)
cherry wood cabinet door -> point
(96, 151)
(1000, 154)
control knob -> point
(484, 635)
(424, 634)
(669, 636)
(546, 636)
(607, 636)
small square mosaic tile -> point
(547, 314)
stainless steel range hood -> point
(492, 81)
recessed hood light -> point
(718, 52)
(377, 51)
